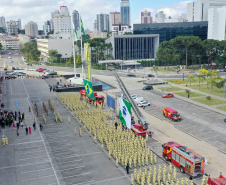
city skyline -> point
(40, 12)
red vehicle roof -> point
(168, 109)
(139, 127)
(173, 144)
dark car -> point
(151, 75)
(132, 75)
(148, 87)
(224, 119)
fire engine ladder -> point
(130, 99)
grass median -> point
(192, 94)
(211, 102)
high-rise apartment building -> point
(75, 19)
(62, 21)
(146, 17)
(31, 29)
(47, 27)
(2, 22)
(125, 12)
(95, 26)
(19, 24)
(160, 16)
(12, 27)
(114, 18)
(102, 22)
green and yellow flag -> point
(89, 89)
(83, 30)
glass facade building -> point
(168, 31)
(125, 12)
(134, 47)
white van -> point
(139, 99)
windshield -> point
(100, 99)
(176, 115)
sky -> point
(40, 10)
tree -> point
(200, 77)
(2, 30)
(51, 32)
(191, 78)
(210, 47)
(30, 51)
(53, 53)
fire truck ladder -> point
(130, 99)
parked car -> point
(151, 75)
(51, 73)
(11, 73)
(134, 96)
(168, 95)
(21, 74)
(143, 104)
(224, 119)
(139, 99)
(8, 72)
(41, 70)
(48, 70)
(148, 87)
(132, 75)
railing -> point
(130, 99)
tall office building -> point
(75, 19)
(102, 22)
(198, 11)
(2, 22)
(125, 12)
(95, 26)
(114, 19)
(146, 17)
(47, 27)
(62, 21)
(160, 16)
(12, 27)
(31, 29)
(19, 24)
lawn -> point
(221, 108)
(185, 81)
(209, 102)
(192, 94)
(170, 89)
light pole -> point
(183, 76)
(223, 96)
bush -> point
(208, 97)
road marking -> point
(68, 161)
(35, 170)
(38, 177)
(22, 165)
(42, 138)
(76, 155)
(41, 157)
(39, 99)
(75, 175)
(26, 142)
(71, 168)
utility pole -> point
(223, 96)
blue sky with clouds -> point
(40, 10)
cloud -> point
(40, 10)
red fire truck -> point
(218, 181)
(184, 158)
(171, 114)
(139, 130)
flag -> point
(125, 112)
(75, 32)
(89, 61)
(83, 31)
(89, 89)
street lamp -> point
(183, 76)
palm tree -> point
(191, 78)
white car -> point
(143, 104)
(48, 70)
(139, 99)
(134, 96)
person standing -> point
(21, 123)
(26, 129)
(41, 127)
(34, 126)
(116, 125)
(17, 132)
(188, 96)
(127, 168)
(18, 126)
(14, 126)
(30, 130)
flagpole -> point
(81, 48)
(73, 44)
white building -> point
(23, 39)
(102, 22)
(62, 21)
(47, 27)
(2, 22)
(120, 29)
(63, 46)
(9, 43)
(102, 35)
(114, 18)
(19, 24)
(217, 23)
(12, 27)
(212, 11)
(160, 16)
(95, 26)
(31, 29)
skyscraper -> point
(102, 22)
(125, 12)
(75, 19)
(114, 18)
(2, 22)
(12, 27)
(31, 29)
(47, 27)
(19, 24)
(95, 26)
(62, 21)
(146, 17)
(160, 16)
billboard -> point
(111, 102)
